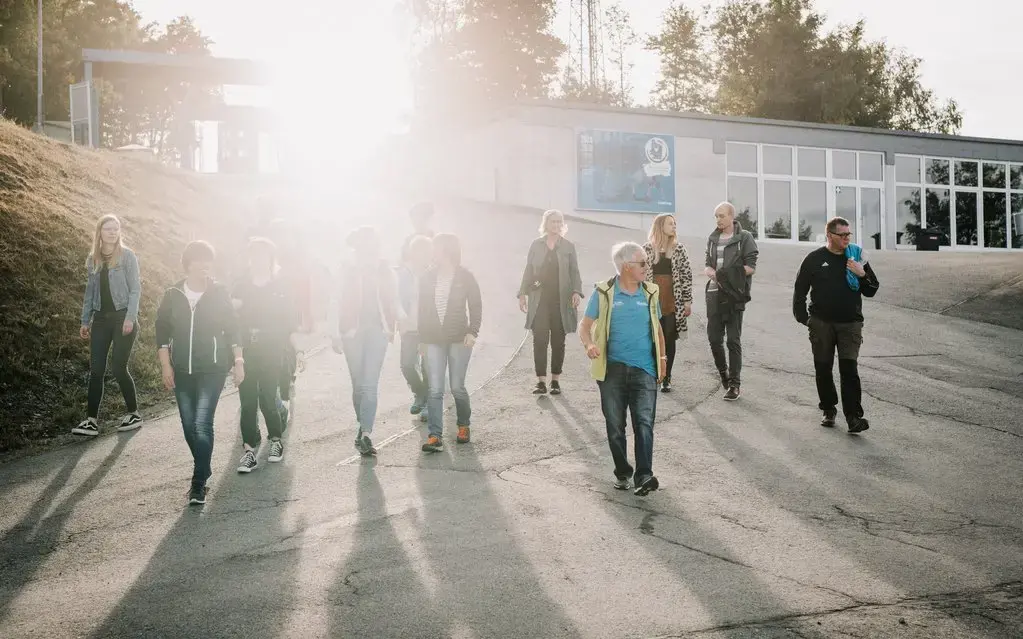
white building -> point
(623, 166)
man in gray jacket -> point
(731, 260)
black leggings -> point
(670, 339)
(258, 394)
(106, 331)
(548, 329)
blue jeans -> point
(413, 367)
(454, 360)
(625, 387)
(198, 395)
(365, 353)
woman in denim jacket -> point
(110, 319)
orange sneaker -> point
(433, 444)
(463, 435)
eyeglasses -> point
(641, 263)
(842, 235)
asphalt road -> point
(766, 525)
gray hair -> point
(547, 216)
(726, 206)
(624, 252)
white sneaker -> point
(276, 451)
(131, 421)
(88, 428)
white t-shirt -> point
(193, 296)
(442, 293)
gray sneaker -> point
(248, 462)
(364, 445)
(623, 483)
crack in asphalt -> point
(919, 411)
(932, 601)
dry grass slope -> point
(50, 197)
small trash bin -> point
(929, 239)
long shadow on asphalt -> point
(487, 585)
(26, 546)
(220, 570)
(819, 504)
(378, 591)
(720, 586)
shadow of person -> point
(221, 570)
(487, 584)
(26, 546)
(378, 588)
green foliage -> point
(773, 59)
(479, 55)
(136, 110)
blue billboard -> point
(631, 172)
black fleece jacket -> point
(200, 340)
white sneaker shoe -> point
(131, 421)
(88, 428)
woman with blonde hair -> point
(110, 319)
(549, 295)
(668, 266)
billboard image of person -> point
(632, 172)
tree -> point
(620, 38)
(773, 59)
(480, 55)
(686, 76)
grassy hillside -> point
(50, 197)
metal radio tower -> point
(586, 42)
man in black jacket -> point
(835, 320)
(731, 260)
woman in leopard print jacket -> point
(668, 266)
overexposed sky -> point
(971, 51)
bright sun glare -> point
(342, 86)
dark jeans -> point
(286, 372)
(846, 338)
(670, 329)
(719, 325)
(413, 367)
(258, 393)
(197, 396)
(106, 331)
(548, 329)
(633, 389)
(452, 359)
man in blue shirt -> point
(621, 332)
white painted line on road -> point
(394, 438)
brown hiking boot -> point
(433, 444)
(463, 435)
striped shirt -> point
(442, 293)
(722, 242)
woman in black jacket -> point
(450, 313)
(197, 336)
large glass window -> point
(777, 209)
(870, 210)
(813, 163)
(907, 169)
(939, 213)
(742, 193)
(907, 216)
(742, 158)
(1016, 176)
(871, 168)
(843, 165)
(994, 176)
(966, 173)
(994, 219)
(937, 172)
(966, 218)
(813, 210)
(1017, 220)
(778, 160)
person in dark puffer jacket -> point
(198, 340)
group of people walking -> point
(433, 305)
